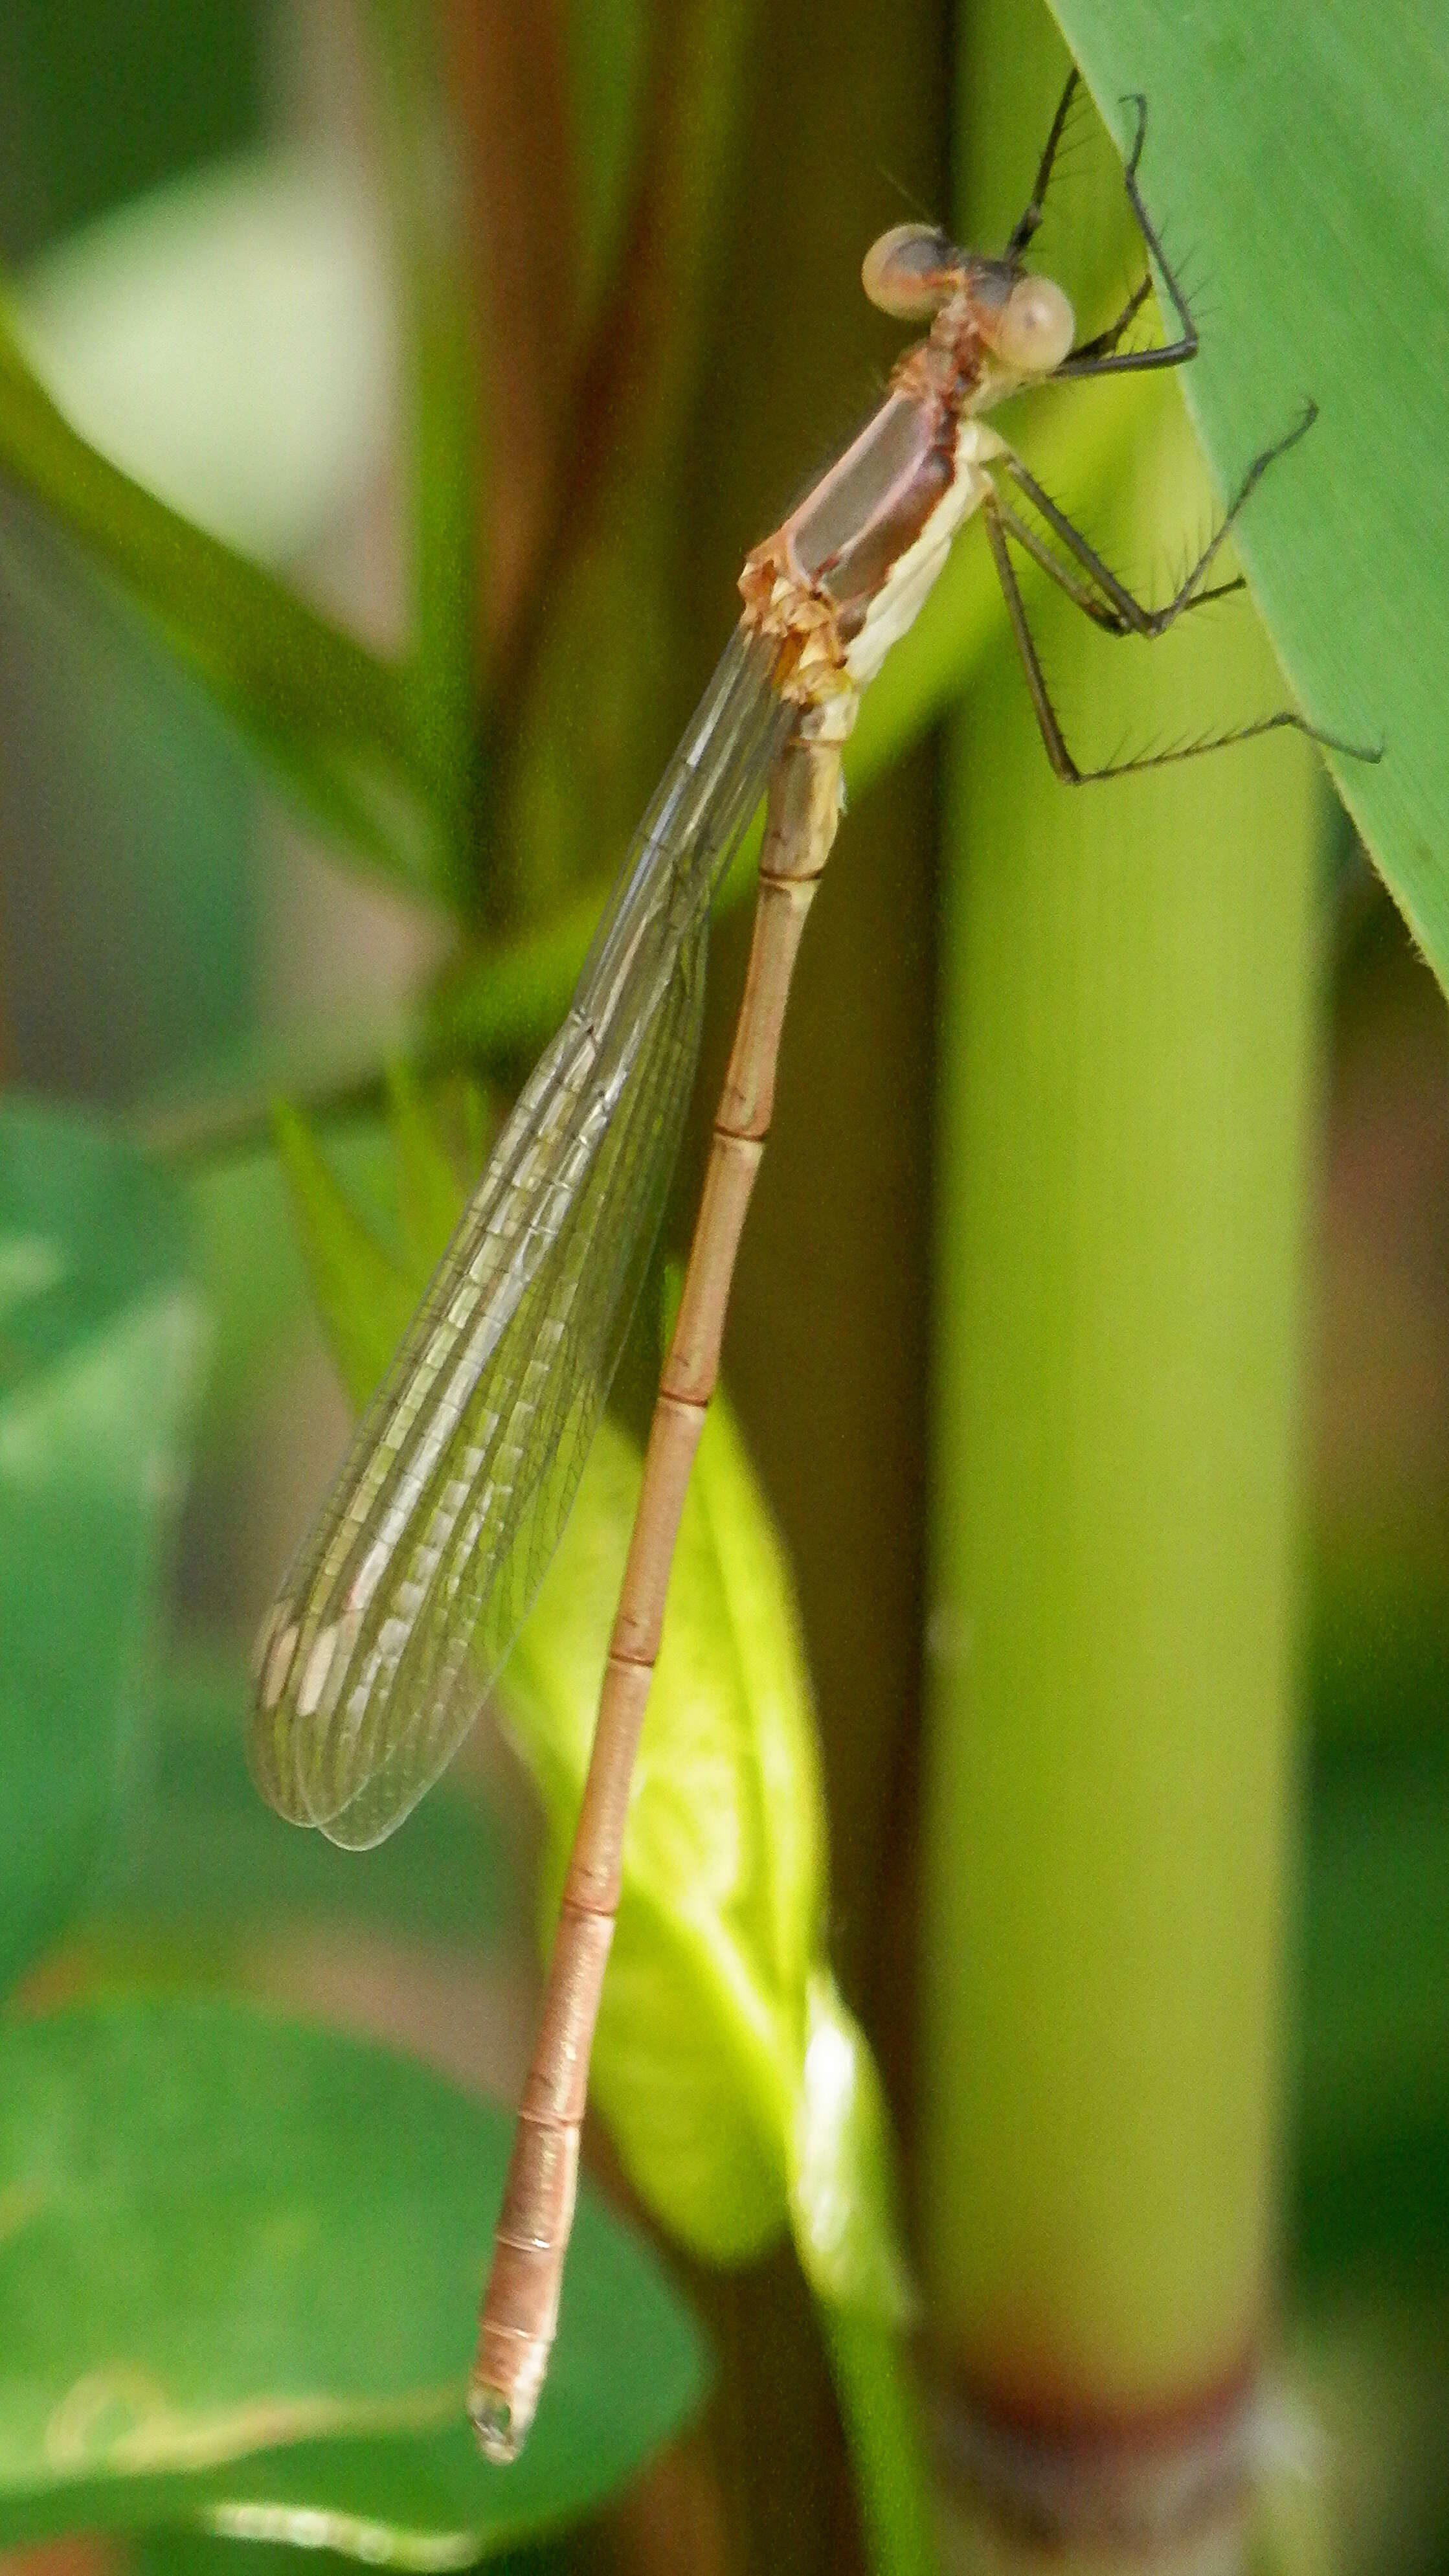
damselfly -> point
(404, 1601)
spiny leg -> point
(1102, 356)
(1078, 586)
(1030, 217)
(1107, 340)
(1115, 607)
(1001, 520)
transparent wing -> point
(404, 1601)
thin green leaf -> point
(239, 2278)
(1290, 163)
(367, 1275)
(363, 1295)
(251, 1267)
(318, 705)
(430, 1196)
(101, 1337)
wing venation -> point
(404, 1601)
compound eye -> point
(1035, 329)
(911, 272)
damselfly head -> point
(913, 272)
(1032, 330)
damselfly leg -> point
(1028, 222)
(1102, 355)
(1087, 579)
(1099, 594)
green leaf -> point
(740, 2089)
(239, 2273)
(843, 2196)
(1286, 163)
(429, 1190)
(100, 1344)
(715, 1987)
(251, 1268)
(363, 1296)
(335, 720)
(366, 1288)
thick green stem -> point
(1125, 1061)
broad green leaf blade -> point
(333, 718)
(100, 1344)
(1290, 164)
(228, 2235)
(700, 2034)
(739, 2090)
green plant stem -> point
(883, 2435)
(1125, 1064)
(429, 233)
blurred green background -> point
(167, 928)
